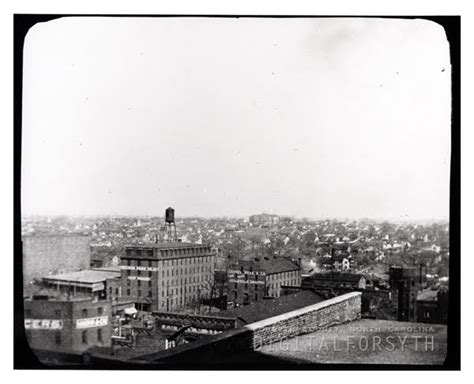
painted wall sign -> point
(92, 322)
(132, 268)
(240, 281)
(139, 278)
(235, 271)
(43, 324)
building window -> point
(139, 283)
(128, 292)
(57, 313)
(149, 273)
(149, 293)
(100, 311)
(84, 312)
(256, 297)
(117, 291)
(149, 283)
(84, 337)
(139, 293)
(57, 338)
(99, 335)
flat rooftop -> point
(167, 245)
(87, 276)
(366, 341)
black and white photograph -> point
(205, 192)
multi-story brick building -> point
(67, 324)
(167, 276)
(251, 281)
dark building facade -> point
(67, 325)
(432, 306)
(405, 282)
(167, 276)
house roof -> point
(269, 265)
(268, 308)
(168, 245)
(336, 276)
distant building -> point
(167, 276)
(67, 325)
(51, 254)
(252, 280)
(264, 220)
(334, 281)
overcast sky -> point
(229, 117)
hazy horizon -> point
(308, 118)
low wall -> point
(338, 310)
(227, 345)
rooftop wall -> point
(253, 336)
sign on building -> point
(92, 322)
(43, 324)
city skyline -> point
(317, 118)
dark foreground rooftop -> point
(366, 342)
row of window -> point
(139, 293)
(185, 251)
(139, 273)
(185, 271)
(84, 337)
(278, 276)
(85, 334)
(185, 280)
(139, 283)
(85, 312)
(139, 252)
(187, 261)
(180, 290)
(246, 286)
(246, 277)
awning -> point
(130, 311)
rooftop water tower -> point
(170, 225)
